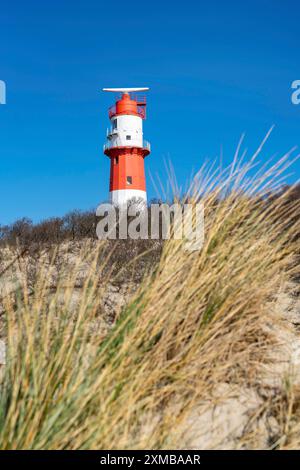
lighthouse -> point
(126, 147)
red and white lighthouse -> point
(126, 146)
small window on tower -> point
(116, 160)
(129, 180)
(128, 137)
(115, 124)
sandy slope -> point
(236, 416)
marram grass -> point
(198, 320)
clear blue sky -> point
(215, 68)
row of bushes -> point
(73, 226)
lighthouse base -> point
(121, 197)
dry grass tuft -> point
(197, 321)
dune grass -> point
(198, 320)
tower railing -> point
(109, 145)
(146, 145)
(141, 110)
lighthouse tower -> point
(126, 147)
